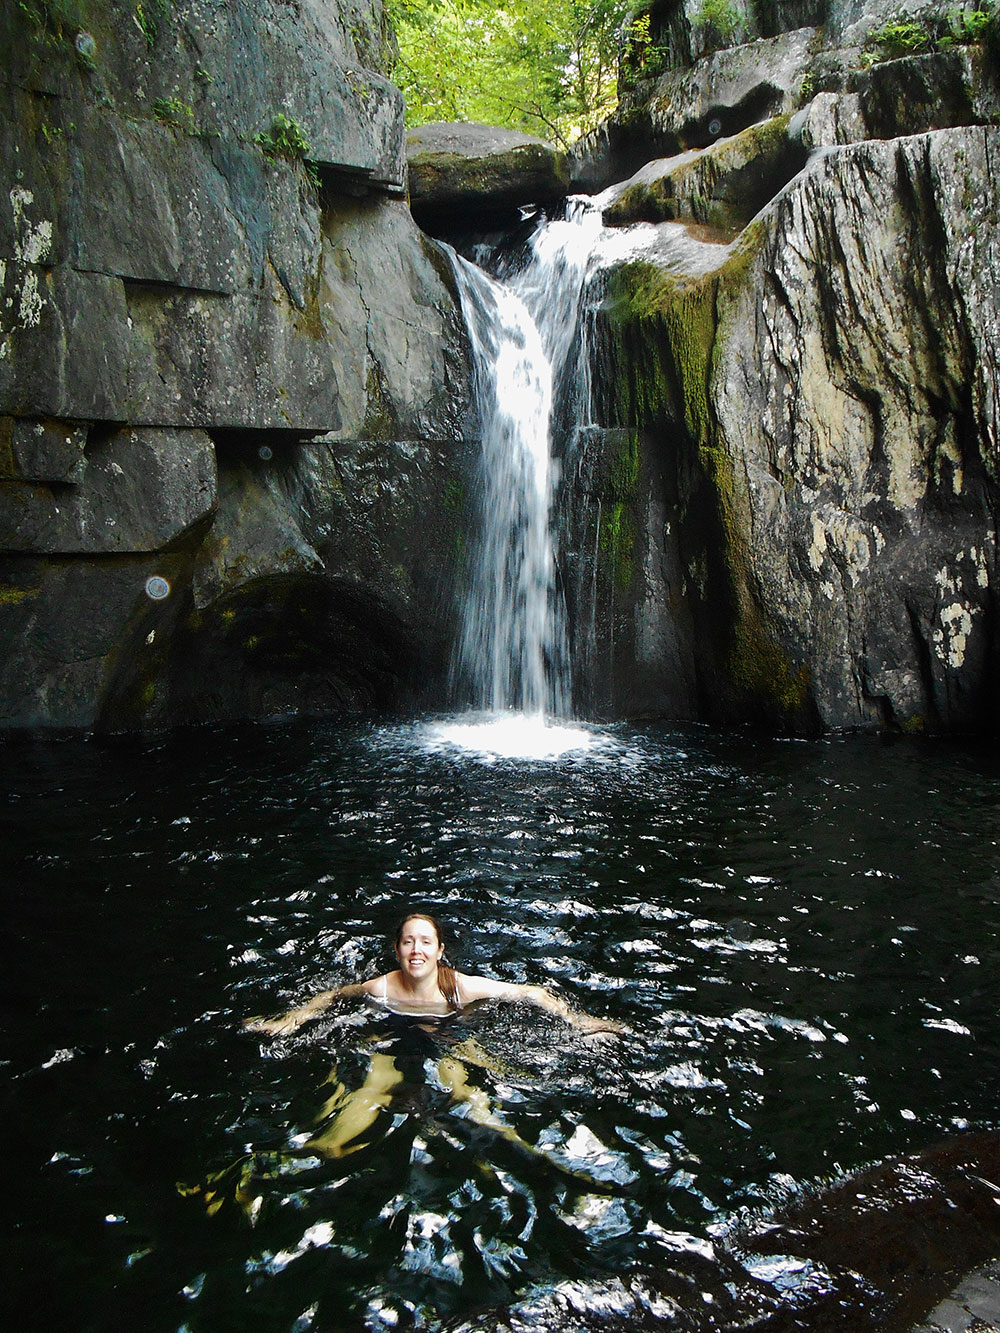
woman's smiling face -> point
(418, 948)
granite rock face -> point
(829, 396)
(722, 186)
(805, 357)
(211, 279)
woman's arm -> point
(288, 1022)
(485, 988)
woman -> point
(426, 985)
(425, 988)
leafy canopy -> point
(547, 67)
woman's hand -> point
(289, 1022)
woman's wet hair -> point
(447, 981)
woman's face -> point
(419, 950)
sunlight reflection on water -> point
(512, 736)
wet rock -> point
(63, 623)
(973, 1307)
(891, 1238)
(276, 645)
(461, 171)
(690, 107)
(622, 574)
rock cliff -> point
(234, 384)
(819, 399)
(232, 376)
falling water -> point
(512, 652)
(529, 333)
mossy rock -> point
(666, 332)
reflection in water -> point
(801, 937)
(512, 736)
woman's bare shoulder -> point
(373, 986)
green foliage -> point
(719, 22)
(965, 28)
(285, 138)
(175, 111)
(904, 36)
(148, 17)
(641, 59)
(56, 18)
(545, 69)
(901, 37)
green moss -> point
(619, 533)
(623, 475)
(148, 17)
(54, 18)
(670, 332)
(454, 495)
(618, 541)
(673, 324)
(10, 596)
(381, 421)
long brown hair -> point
(447, 980)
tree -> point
(547, 67)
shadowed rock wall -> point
(229, 362)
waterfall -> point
(512, 652)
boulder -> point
(938, 90)
(690, 107)
(731, 89)
(722, 186)
(463, 172)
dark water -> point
(802, 938)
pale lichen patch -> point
(952, 639)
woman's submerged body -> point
(423, 986)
